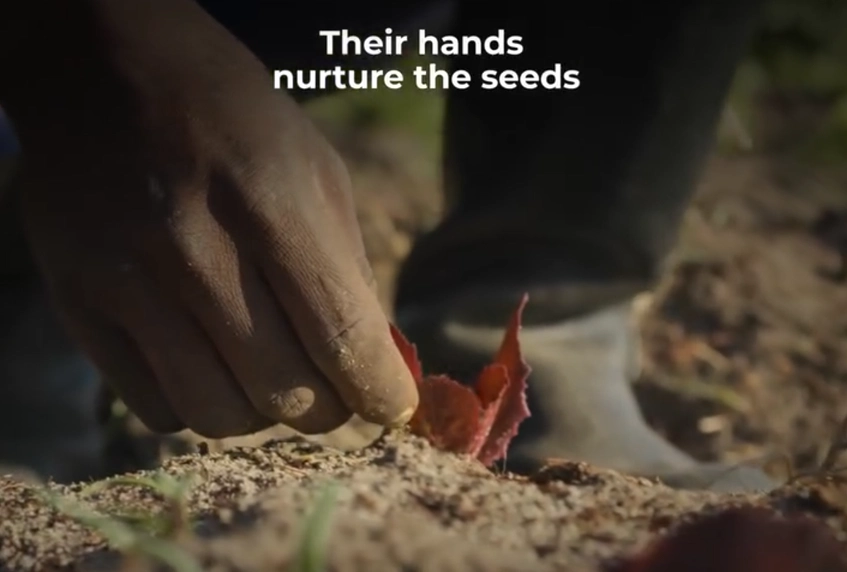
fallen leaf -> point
(480, 420)
(409, 353)
(448, 428)
(743, 540)
(490, 390)
(511, 408)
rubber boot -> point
(579, 392)
(575, 197)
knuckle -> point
(187, 235)
(262, 190)
(334, 172)
(342, 339)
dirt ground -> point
(746, 361)
(401, 506)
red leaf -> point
(448, 414)
(481, 421)
(491, 386)
(743, 540)
(511, 408)
(409, 353)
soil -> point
(745, 361)
(401, 506)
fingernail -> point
(403, 418)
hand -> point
(199, 237)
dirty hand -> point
(199, 237)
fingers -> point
(338, 319)
(196, 382)
(244, 321)
(124, 369)
(335, 177)
(278, 376)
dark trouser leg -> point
(575, 197)
(286, 37)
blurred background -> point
(746, 335)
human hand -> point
(199, 237)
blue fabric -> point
(8, 141)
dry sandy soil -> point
(746, 362)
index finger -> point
(340, 322)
